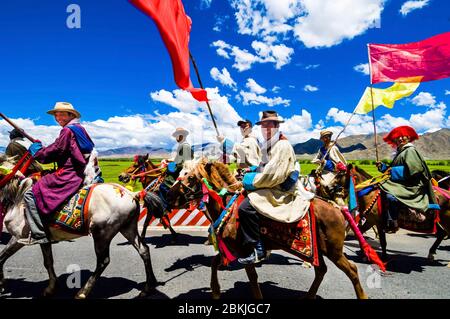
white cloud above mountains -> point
(363, 68)
(409, 6)
(304, 19)
(224, 77)
(279, 54)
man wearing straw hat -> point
(183, 153)
(272, 188)
(71, 151)
(330, 159)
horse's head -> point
(139, 165)
(16, 186)
(189, 187)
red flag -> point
(429, 58)
(174, 26)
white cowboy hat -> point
(180, 131)
(64, 107)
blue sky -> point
(117, 73)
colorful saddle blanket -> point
(298, 238)
(74, 215)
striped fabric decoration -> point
(178, 217)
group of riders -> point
(269, 169)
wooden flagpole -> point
(373, 106)
(201, 85)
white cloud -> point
(292, 86)
(434, 118)
(363, 68)
(276, 89)
(447, 92)
(253, 98)
(305, 19)
(220, 22)
(424, 99)
(279, 55)
(223, 77)
(312, 66)
(310, 88)
(255, 87)
(409, 6)
(205, 4)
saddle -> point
(298, 238)
(73, 217)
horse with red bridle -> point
(329, 224)
(150, 175)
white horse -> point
(110, 212)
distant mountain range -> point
(434, 145)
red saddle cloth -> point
(298, 238)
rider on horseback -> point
(330, 159)
(71, 150)
(247, 153)
(410, 178)
(18, 146)
(184, 153)
(272, 188)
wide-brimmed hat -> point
(270, 116)
(325, 133)
(399, 132)
(64, 107)
(239, 123)
(180, 131)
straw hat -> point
(325, 133)
(64, 107)
(180, 131)
(270, 116)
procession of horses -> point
(254, 194)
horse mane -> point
(217, 173)
(363, 172)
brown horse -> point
(330, 226)
(148, 173)
(370, 211)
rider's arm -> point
(317, 159)
(275, 171)
(53, 152)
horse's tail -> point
(371, 254)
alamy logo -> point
(74, 278)
(74, 19)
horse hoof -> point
(448, 265)
(306, 265)
(216, 296)
(48, 292)
(80, 296)
(430, 257)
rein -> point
(21, 166)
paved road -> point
(184, 268)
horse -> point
(112, 209)
(372, 212)
(141, 168)
(330, 227)
(442, 178)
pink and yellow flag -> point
(429, 58)
(386, 97)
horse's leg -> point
(351, 271)
(440, 235)
(166, 223)
(319, 272)
(253, 278)
(102, 241)
(11, 248)
(131, 234)
(383, 242)
(148, 217)
(215, 286)
(48, 263)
